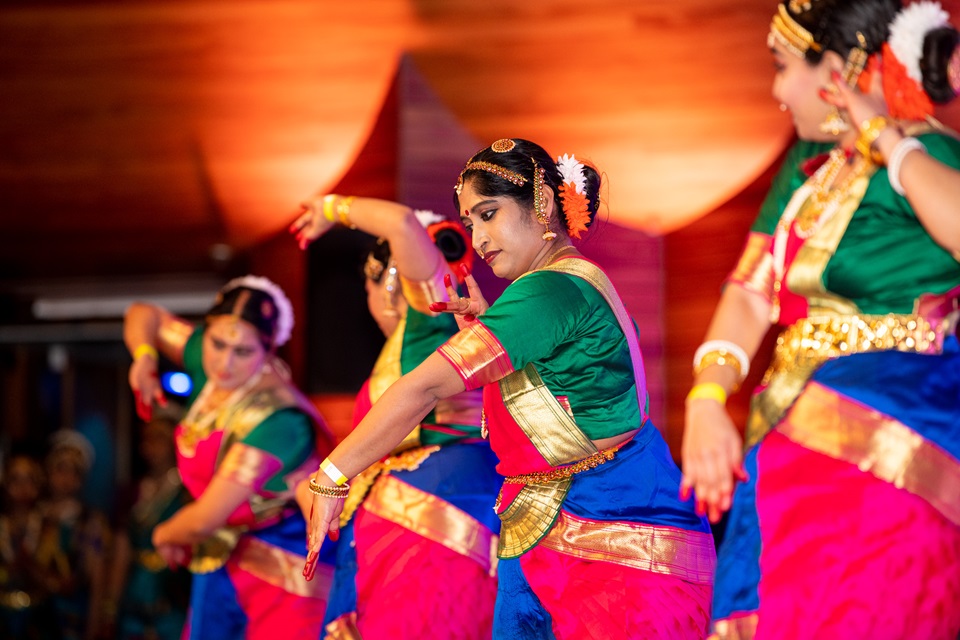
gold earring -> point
(834, 123)
(539, 206)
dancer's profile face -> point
(385, 308)
(503, 233)
(797, 85)
(232, 351)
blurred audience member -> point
(147, 600)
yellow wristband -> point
(328, 211)
(146, 350)
(709, 391)
(332, 472)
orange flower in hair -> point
(576, 208)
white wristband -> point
(733, 349)
(900, 151)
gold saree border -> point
(248, 466)
(735, 628)
(827, 422)
(343, 628)
(477, 355)
(408, 460)
(282, 569)
(433, 518)
(543, 419)
(688, 555)
(386, 368)
(754, 270)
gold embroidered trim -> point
(688, 555)
(824, 421)
(477, 355)
(386, 369)
(248, 466)
(433, 518)
(530, 516)
(738, 628)
(543, 419)
(359, 487)
(343, 628)
(754, 270)
(282, 569)
(808, 343)
(788, 32)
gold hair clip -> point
(503, 145)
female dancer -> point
(248, 438)
(415, 554)
(594, 541)
(850, 521)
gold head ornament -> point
(788, 32)
(497, 170)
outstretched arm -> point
(391, 418)
(149, 330)
(412, 248)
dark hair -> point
(938, 46)
(449, 237)
(520, 160)
(834, 25)
(253, 306)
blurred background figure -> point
(147, 599)
(249, 436)
(25, 608)
(73, 540)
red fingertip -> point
(469, 317)
(438, 306)
(684, 493)
(334, 534)
(464, 270)
(446, 280)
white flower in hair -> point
(427, 217)
(284, 308)
(908, 30)
(571, 170)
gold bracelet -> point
(339, 493)
(708, 391)
(343, 211)
(146, 350)
(328, 202)
(870, 130)
(721, 357)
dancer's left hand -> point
(466, 309)
(324, 521)
(311, 224)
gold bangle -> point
(870, 130)
(721, 357)
(343, 211)
(339, 493)
(328, 202)
(146, 350)
(708, 391)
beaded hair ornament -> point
(572, 188)
(284, 309)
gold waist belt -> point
(810, 341)
(558, 473)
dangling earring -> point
(834, 123)
(539, 206)
(852, 68)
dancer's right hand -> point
(324, 521)
(465, 309)
(712, 455)
(311, 224)
(145, 384)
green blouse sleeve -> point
(193, 362)
(286, 435)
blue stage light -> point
(177, 383)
